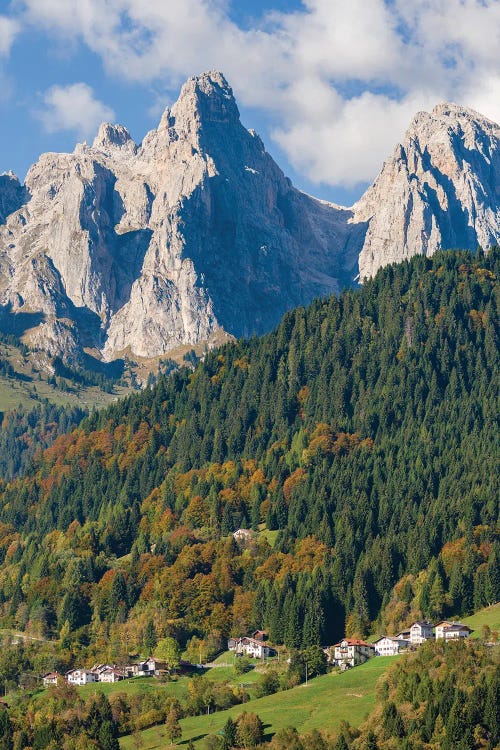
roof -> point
(422, 624)
(260, 635)
(353, 642)
(51, 676)
(457, 627)
(393, 638)
(453, 624)
(248, 639)
(113, 670)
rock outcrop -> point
(440, 189)
(138, 249)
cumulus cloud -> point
(73, 107)
(340, 79)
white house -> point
(51, 678)
(242, 535)
(98, 669)
(420, 632)
(250, 647)
(351, 652)
(389, 646)
(450, 630)
(154, 666)
(138, 670)
(80, 676)
(111, 674)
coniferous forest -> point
(358, 442)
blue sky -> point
(330, 86)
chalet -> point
(242, 535)
(450, 630)
(112, 674)
(350, 652)
(404, 635)
(98, 669)
(420, 632)
(250, 647)
(51, 678)
(154, 667)
(138, 670)
(390, 646)
(80, 676)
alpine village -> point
(249, 444)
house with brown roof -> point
(51, 678)
(250, 647)
(451, 630)
(112, 674)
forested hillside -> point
(363, 431)
(23, 432)
(443, 696)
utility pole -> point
(306, 674)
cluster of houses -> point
(107, 673)
(351, 652)
(254, 646)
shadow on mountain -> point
(112, 370)
(13, 195)
(259, 253)
(120, 255)
(91, 372)
(89, 325)
(17, 323)
(454, 221)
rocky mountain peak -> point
(12, 195)
(197, 233)
(112, 137)
(440, 189)
(207, 98)
(191, 236)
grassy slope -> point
(137, 686)
(488, 616)
(177, 688)
(30, 389)
(322, 704)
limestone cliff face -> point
(123, 248)
(140, 248)
(440, 189)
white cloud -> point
(73, 107)
(341, 79)
(9, 28)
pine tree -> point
(150, 639)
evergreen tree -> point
(150, 639)
(6, 731)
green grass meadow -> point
(488, 616)
(322, 704)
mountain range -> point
(121, 249)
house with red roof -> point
(351, 652)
